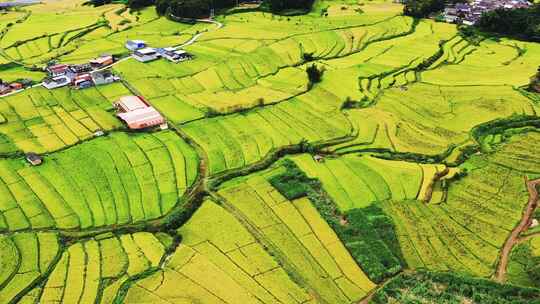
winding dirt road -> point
(514, 237)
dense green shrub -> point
(293, 183)
(432, 287)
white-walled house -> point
(146, 54)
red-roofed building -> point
(16, 85)
(142, 118)
(102, 61)
(57, 70)
(83, 81)
(137, 114)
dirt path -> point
(513, 239)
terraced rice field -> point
(42, 121)
(113, 180)
(226, 262)
(410, 153)
(94, 270)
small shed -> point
(318, 158)
(99, 133)
(134, 45)
(34, 159)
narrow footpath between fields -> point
(513, 238)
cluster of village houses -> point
(135, 111)
(80, 76)
(95, 72)
(469, 13)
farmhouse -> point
(103, 77)
(16, 86)
(83, 81)
(134, 45)
(75, 70)
(4, 89)
(57, 70)
(137, 114)
(174, 55)
(56, 82)
(101, 62)
(146, 54)
(34, 159)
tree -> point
(535, 87)
(281, 5)
(314, 74)
(138, 4)
(422, 8)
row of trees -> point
(281, 5)
(523, 23)
(135, 4)
(201, 8)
